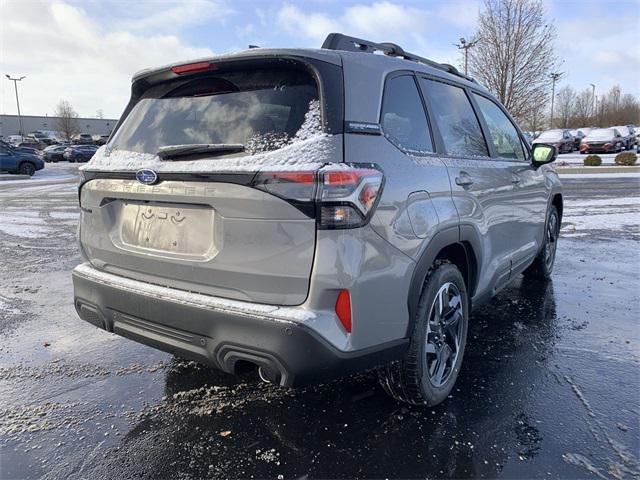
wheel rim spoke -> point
(444, 329)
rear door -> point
(482, 186)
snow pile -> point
(308, 149)
(611, 214)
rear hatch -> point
(205, 184)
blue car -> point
(79, 153)
(15, 160)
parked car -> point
(15, 139)
(602, 140)
(100, 139)
(629, 139)
(577, 135)
(54, 153)
(559, 138)
(40, 137)
(16, 160)
(297, 235)
(30, 142)
(24, 149)
(82, 139)
(79, 153)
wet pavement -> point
(549, 385)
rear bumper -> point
(219, 332)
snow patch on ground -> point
(23, 224)
(614, 214)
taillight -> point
(339, 195)
(348, 195)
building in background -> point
(10, 125)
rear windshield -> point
(551, 135)
(601, 134)
(261, 109)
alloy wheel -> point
(551, 241)
(444, 332)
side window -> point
(403, 118)
(455, 118)
(503, 134)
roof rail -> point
(338, 41)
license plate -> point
(173, 228)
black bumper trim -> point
(223, 339)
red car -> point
(603, 140)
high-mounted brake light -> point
(341, 195)
(193, 67)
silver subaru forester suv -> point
(312, 213)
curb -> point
(13, 177)
(611, 169)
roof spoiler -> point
(338, 41)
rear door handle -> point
(515, 179)
(464, 180)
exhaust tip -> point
(268, 374)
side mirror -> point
(541, 153)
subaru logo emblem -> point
(148, 177)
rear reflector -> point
(343, 309)
(193, 67)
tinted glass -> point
(262, 109)
(404, 121)
(456, 120)
(503, 134)
(551, 135)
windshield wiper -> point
(170, 152)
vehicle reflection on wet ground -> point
(548, 389)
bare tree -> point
(565, 98)
(67, 121)
(582, 109)
(514, 55)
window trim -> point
(513, 124)
(412, 74)
(442, 151)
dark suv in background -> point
(312, 213)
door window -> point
(458, 124)
(503, 133)
(403, 118)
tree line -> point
(514, 58)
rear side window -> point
(503, 133)
(262, 109)
(458, 124)
(404, 121)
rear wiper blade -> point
(169, 152)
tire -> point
(27, 168)
(416, 379)
(542, 266)
(78, 158)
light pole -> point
(15, 84)
(554, 78)
(464, 45)
(593, 99)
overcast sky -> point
(86, 51)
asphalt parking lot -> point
(549, 386)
